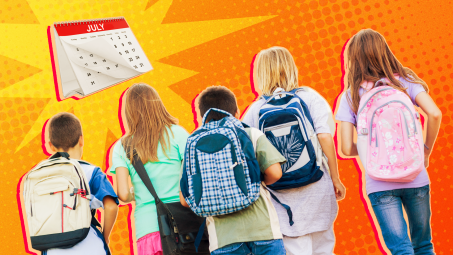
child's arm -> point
(328, 147)
(110, 212)
(433, 124)
(122, 185)
(272, 174)
(182, 200)
(348, 147)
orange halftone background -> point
(419, 33)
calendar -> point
(91, 55)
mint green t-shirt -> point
(164, 175)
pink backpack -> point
(389, 134)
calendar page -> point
(102, 53)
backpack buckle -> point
(234, 165)
(364, 131)
(237, 163)
(417, 115)
(80, 192)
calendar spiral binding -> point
(86, 21)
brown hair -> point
(148, 121)
(369, 58)
(275, 68)
(219, 97)
(64, 130)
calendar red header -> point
(86, 27)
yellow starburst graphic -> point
(98, 112)
(27, 92)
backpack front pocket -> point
(220, 178)
(289, 140)
(47, 208)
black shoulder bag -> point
(178, 225)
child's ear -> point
(52, 147)
(81, 141)
(238, 114)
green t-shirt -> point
(259, 221)
(164, 175)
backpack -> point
(57, 203)
(390, 139)
(285, 120)
(220, 171)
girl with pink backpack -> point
(379, 106)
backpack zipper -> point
(393, 101)
(292, 123)
(260, 128)
(62, 212)
(304, 123)
(358, 113)
(302, 114)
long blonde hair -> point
(369, 58)
(275, 68)
(148, 121)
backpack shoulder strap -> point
(82, 174)
(294, 91)
(60, 154)
(244, 125)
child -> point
(160, 143)
(65, 135)
(369, 59)
(314, 206)
(255, 229)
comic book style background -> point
(196, 43)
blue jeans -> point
(387, 206)
(269, 247)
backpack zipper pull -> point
(375, 134)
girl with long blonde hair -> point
(314, 205)
(368, 59)
(160, 143)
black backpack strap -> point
(60, 154)
(199, 235)
(94, 221)
(245, 125)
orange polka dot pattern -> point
(315, 33)
(16, 12)
(119, 239)
(13, 71)
(419, 33)
(16, 117)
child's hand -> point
(340, 190)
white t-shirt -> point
(314, 206)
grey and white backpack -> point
(57, 203)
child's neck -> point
(75, 153)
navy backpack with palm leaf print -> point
(286, 122)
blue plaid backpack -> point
(220, 171)
(287, 123)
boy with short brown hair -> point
(65, 135)
(255, 229)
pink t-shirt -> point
(345, 113)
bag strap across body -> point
(141, 171)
